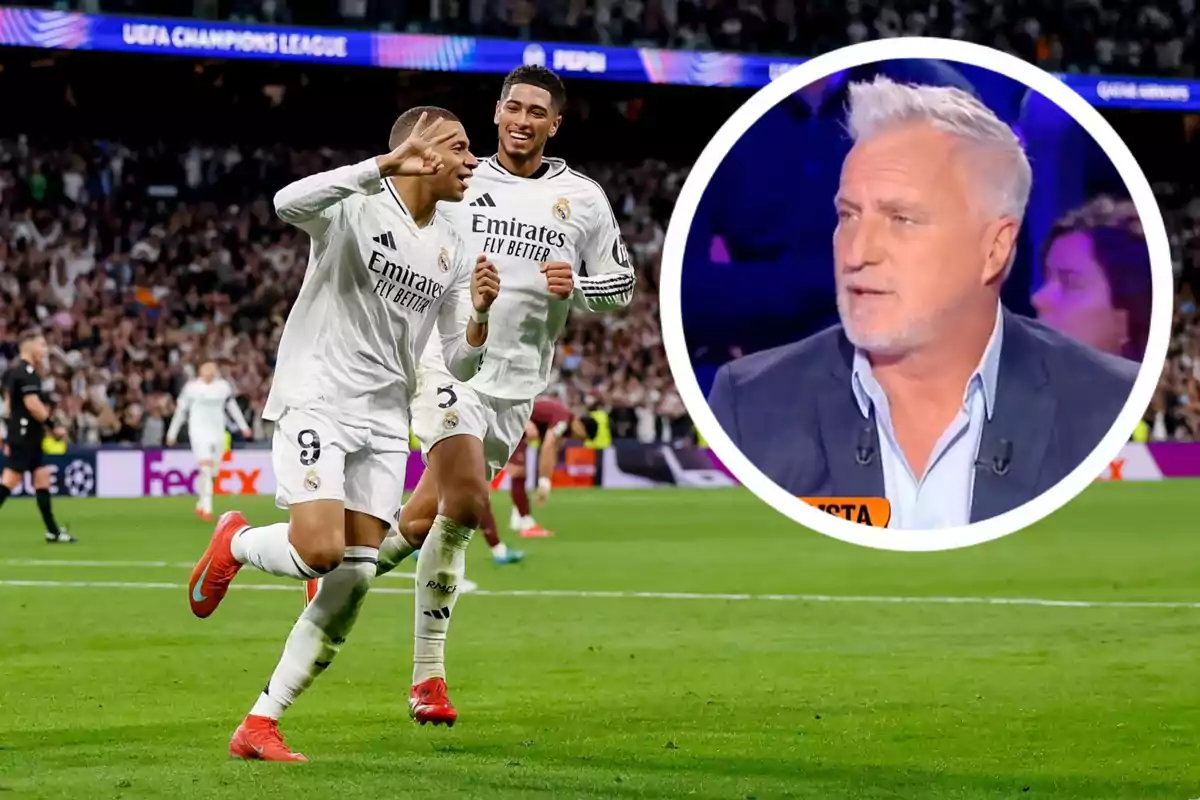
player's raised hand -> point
(485, 284)
(560, 278)
(418, 155)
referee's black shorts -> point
(24, 457)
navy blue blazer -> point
(791, 411)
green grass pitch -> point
(665, 644)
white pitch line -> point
(802, 598)
(53, 562)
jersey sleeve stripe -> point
(607, 290)
(611, 214)
(608, 281)
(608, 295)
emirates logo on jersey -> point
(513, 238)
(402, 286)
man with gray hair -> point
(929, 392)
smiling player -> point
(557, 246)
(385, 268)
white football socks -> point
(440, 572)
(206, 489)
(268, 549)
(519, 523)
(319, 633)
(395, 548)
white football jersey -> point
(521, 223)
(375, 287)
(203, 406)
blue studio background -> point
(758, 269)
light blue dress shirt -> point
(942, 497)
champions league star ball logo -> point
(79, 479)
(444, 261)
(562, 209)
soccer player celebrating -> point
(384, 268)
(551, 424)
(203, 403)
(557, 246)
(28, 415)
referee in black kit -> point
(28, 413)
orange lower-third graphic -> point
(875, 512)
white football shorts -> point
(445, 407)
(207, 447)
(316, 456)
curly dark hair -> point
(540, 77)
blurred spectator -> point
(1097, 285)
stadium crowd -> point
(139, 264)
(1175, 412)
(1155, 37)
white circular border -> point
(1162, 281)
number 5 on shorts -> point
(310, 446)
(447, 390)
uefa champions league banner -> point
(633, 465)
(71, 475)
(173, 473)
(1155, 462)
(65, 30)
(169, 473)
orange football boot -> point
(204, 515)
(259, 739)
(536, 531)
(428, 703)
(217, 568)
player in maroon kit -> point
(552, 424)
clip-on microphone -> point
(999, 464)
(864, 451)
